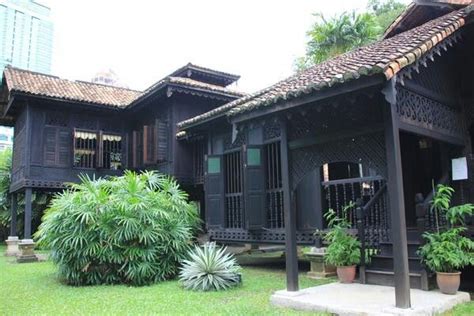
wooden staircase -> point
(380, 268)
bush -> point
(132, 229)
(343, 249)
(39, 200)
(210, 268)
(447, 250)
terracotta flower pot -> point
(346, 274)
(448, 283)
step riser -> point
(378, 263)
(388, 280)
(386, 250)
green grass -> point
(33, 289)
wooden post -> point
(14, 208)
(290, 217)
(397, 201)
(28, 194)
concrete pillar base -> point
(12, 246)
(27, 251)
(319, 268)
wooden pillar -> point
(290, 217)
(28, 195)
(14, 210)
(396, 198)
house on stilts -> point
(376, 125)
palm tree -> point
(329, 38)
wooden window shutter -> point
(162, 140)
(100, 150)
(64, 147)
(149, 144)
(50, 146)
(135, 149)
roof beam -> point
(328, 92)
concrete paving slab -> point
(364, 299)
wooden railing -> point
(339, 193)
(425, 219)
(372, 225)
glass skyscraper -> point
(26, 35)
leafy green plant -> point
(39, 200)
(132, 229)
(343, 249)
(447, 250)
(210, 268)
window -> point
(3, 137)
(97, 150)
(85, 149)
(112, 152)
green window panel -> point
(213, 165)
(253, 157)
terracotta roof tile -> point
(34, 83)
(19, 80)
(387, 56)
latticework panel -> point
(368, 149)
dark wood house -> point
(66, 128)
(376, 125)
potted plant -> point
(343, 250)
(446, 250)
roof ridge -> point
(382, 56)
(66, 79)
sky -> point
(143, 41)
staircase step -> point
(384, 277)
(385, 262)
(386, 248)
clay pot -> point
(346, 274)
(448, 283)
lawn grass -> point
(33, 289)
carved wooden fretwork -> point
(239, 141)
(267, 236)
(368, 149)
(271, 130)
(423, 112)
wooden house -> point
(376, 125)
(66, 128)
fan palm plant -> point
(132, 229)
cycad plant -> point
(132, 229)
(210, 268)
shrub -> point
(447, 250)
(39, 200)
(132, 229)
(210, 268)
(343, 249)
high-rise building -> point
(26, 35)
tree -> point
(385, 11)
(335, 36)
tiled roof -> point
(34, 83)
(204, 69)
(39, 84)
(386, 57)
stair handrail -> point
(423, 205)
(361, 210)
